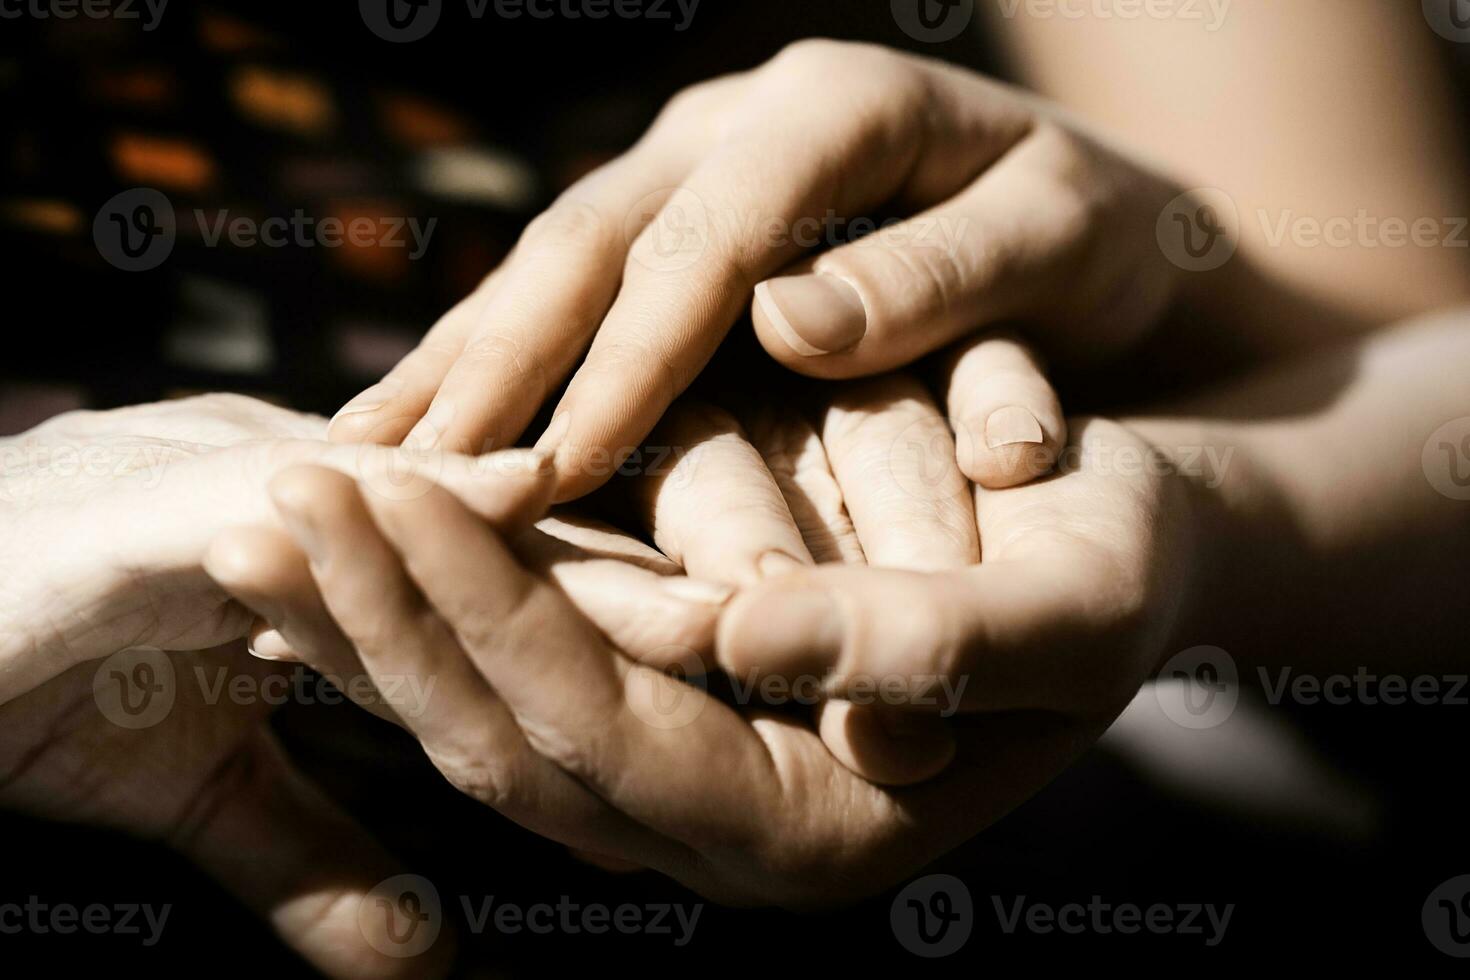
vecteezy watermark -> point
(1446, 459)
(136, 230)
(1450, 19)
(1210, 14)
(39, 461)
(670, 230)
(1362, 230)
(1446, 917)
(403, 916)
(1199, 231)
(405, 21)
(933, 916)
(1198, 687)
(138, 688)
(933, 21)
(570, 918)
(150, 12)
(39, 918)
(676, 696)
(1364, 687)
(1102, 918)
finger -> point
(266, 570)
(997, 251)
(664, 620)
(640, 739)
(743, 213)
(465, 727)
(711, 504)
(1050, 620)
(1008, 419)
(887, 746)
(794, 454)
(894, 458)
(278, 843)
(389, 409)
(477, 385)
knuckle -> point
(572, 225)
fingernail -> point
(697, 590)
(557, 431)
(1010, 426)
(523, 462)
(778, 564)
(270, 645)
(429, 431)
(372, 399)
(814, 314)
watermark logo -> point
(1209, 13)
(1446, 459)
(401, 21)
(1199, 231)
(1446, 917)
(65, 919)
(933, 916)
(1104, 918)
(567, 917)
(135, 230)
(1450, 19)
(668, 230)
(135, 688)
(933, 21)
(1198, 688)
(402, 916)
(672, 697)
(150, 12)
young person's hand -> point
(1013, 215)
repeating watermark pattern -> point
(1449, 18)
(1102, 918)
(148, 12)
(403, 917)
(1209, 14)
(677, 696)
(933, 916)
(1446, 459)
(137, 230)
(30, 464)
(1446, 917)
(1198, 688)
(406, 21)
(38, 918)
(1199, 231)
(670, 230)
(933, 21)
(1362, 230)
(673, 920)
(138, 688)
(1363, 687)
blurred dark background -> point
(262, 109)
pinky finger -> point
(1008, 421)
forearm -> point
(1326, 535)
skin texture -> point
(1090, 579)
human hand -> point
(1013, 216)
(109, 515)
(540, 717)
